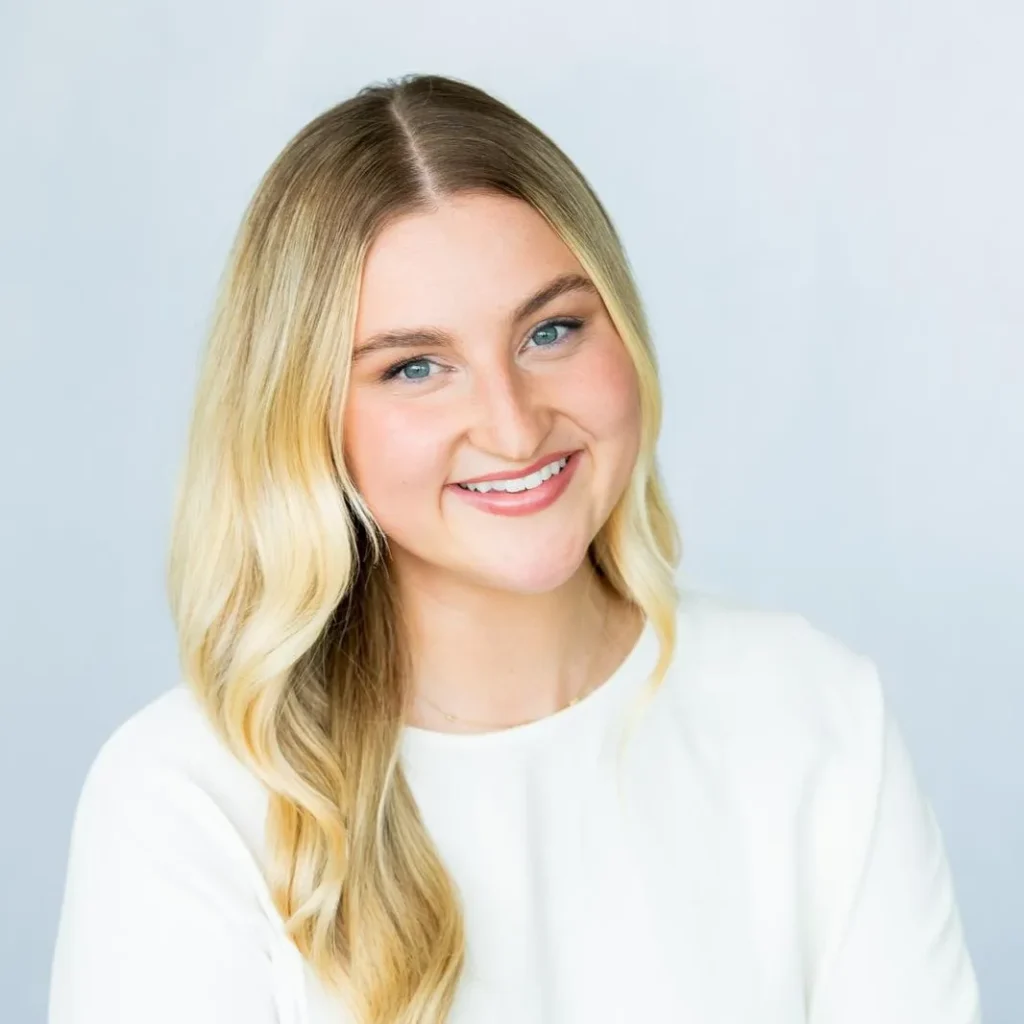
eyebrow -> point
(408, 337)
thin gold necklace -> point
(498, 728)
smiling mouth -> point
(522, 483)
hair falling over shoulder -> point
(288, 627)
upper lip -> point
(515, 474)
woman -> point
(453, 745)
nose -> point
(511, 416)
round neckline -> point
(435, 740)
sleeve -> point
(899, 955)
(160, 921)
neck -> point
(500, 658)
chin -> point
(512, 572)
(525, 565)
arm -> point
(899, 956)
(162, 920)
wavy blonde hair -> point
(288, 628)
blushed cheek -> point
(395, 458)
(611, 398)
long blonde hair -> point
(288, 628)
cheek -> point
(607, 398)
(393, 452)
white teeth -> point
(522, 483)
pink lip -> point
(521, 503)
(516, 473)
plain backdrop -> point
(822, 203)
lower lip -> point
(521, 503)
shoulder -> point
(164, 774)
(790, 718)
(165, 889)
(786, 733)
(791, 722)
(726, 633)
(775, 674)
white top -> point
(773, 859)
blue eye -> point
(544, 336)
(551, 330)
(418, 369)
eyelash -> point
(574, 324)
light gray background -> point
(822, 203)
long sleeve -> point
(899, 956)
(161, 921)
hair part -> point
(288, 627)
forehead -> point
(473, 257)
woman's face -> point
(464, 367)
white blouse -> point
(769, 859)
